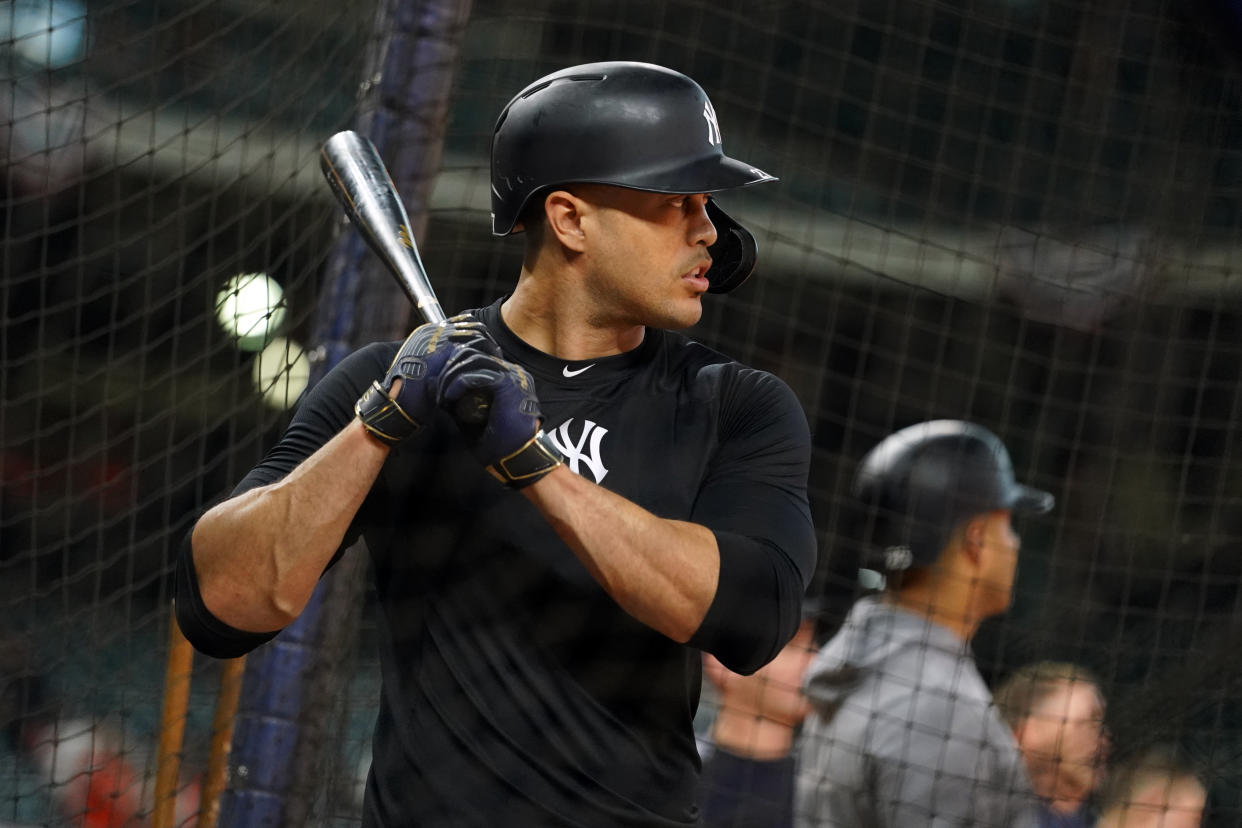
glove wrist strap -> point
(529, 463)
(382, 417)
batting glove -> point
(418, 364)
(508, 441)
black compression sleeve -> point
(209, 635)
(757, 608)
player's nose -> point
(702, 230)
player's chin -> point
(684, 313)
(1006, 601)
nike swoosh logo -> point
(570, 373)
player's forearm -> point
(259, 555)
(662, 572)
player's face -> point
(998, 561)
(648, 256)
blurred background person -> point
(902, 732)
(1155, 789)
(1056, 712)
(95, 774)
(748, 773)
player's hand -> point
(397, 406)
(464, 330)
(508, 441)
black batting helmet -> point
(922, 482)
(628, 124)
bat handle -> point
(472, 408)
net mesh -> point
(1021, 213)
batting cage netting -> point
(1020, 213)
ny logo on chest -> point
(581, 444)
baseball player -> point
(548, 577)
(902, 732)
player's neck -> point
(559, 321)
(938, 605)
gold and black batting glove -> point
(418, 363)
(508, 440)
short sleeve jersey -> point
(515, 691)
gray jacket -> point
(903, 733)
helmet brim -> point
(1031, 501)
(712, 174)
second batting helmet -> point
(627, 124)
(922, 482)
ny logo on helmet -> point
(591, 436)
(713, 126)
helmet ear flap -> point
(734, 253)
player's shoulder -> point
(350, 375)
(747, 399)
(712, 375)
(370, 361)
(693, 358)
(382, 352)
(953, 698)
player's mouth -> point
(697, 276)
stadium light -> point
(281, 372)
(49, 33)
(251, 308)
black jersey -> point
(515, 690)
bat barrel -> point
(357, 175)
(354, 170)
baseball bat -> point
(360, 181)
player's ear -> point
(972, 538)
(564, 212)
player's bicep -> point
(754, 500)
(756, 482)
